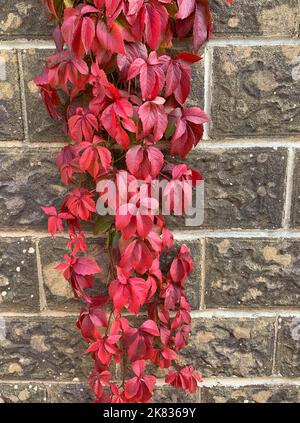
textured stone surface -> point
(193, 283)
(295, 213)
(22, 393)
(18, 275)
(170, 395)
(23, 18)
(231, 347)
(253, 394)
(32, 392)
(11, 126)
(69, 393)
(255, 91)
(265, 17)
(41, 127)
(196, 97)
(77, 393)
(244, 188)
(253, 272)
(28, 180)
(59, 295)
(288, 349)
(262, 17)
(41, 349)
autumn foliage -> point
(119, 90)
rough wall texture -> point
(246, 288)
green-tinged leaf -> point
(103, 224)
(172, 9)
(170, 130)
(68, 3)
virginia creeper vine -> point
(112, 84)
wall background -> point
(245, 291)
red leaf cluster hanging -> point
(115, 85)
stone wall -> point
(246, 288)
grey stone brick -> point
(243, 188)
(231, 347)
(11, 125)
(29, 180)
(269, 18)
(18, 275)
(252, 273)
(288, 347)
(24, 18)
(260, 394)
(42, 349)
(255, 91)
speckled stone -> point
(260, 18)
(231, 347)
(23, 393)
(18, 275)
(171, 395)
(42, 349)
(295, 212)
(252, 273)
(196, 97)
(265, 17)
(41, 127)
(251, 394)
(11, 125)
(288, 347)
(59, 295)
(69, 393)
(243, 188)
(24, 18)
(255, 91)
(29, 180)
(75, 393)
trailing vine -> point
(119, 97)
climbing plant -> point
(118, 85)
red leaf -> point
(110, 38)
(185, 8)
(94, 155)
(152, 77)
(88, 32)
(187, 379)
(189, 130)
(86, 266)
(117, 116)
(133, 51)
(202, 25)
(82, 125)
(131, 292)
(156, 20)
(153, 27)
(144, 162)
(150, 327)
(80, 203)
(154, 118)
(182, 265)
(137, 256)
(63, 68)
